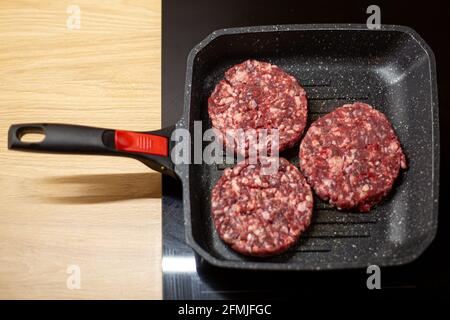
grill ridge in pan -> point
(391, 69)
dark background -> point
(185, 23)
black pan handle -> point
(152, 148)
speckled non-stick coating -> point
(391, 68)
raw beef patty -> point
(259, 214)
(352, 156)
(258, 95)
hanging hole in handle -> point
(31, 135)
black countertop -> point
(185, 23)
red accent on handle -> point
(141, 143)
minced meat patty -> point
(352, 156)
(258, 95)
(261, 214)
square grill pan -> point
(392, 69)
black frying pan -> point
(392, 69)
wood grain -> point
(102, 214)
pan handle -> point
(152, 148)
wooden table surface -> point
(64, 217)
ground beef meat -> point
(258, 95)
(259, 214)
(352, 156)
